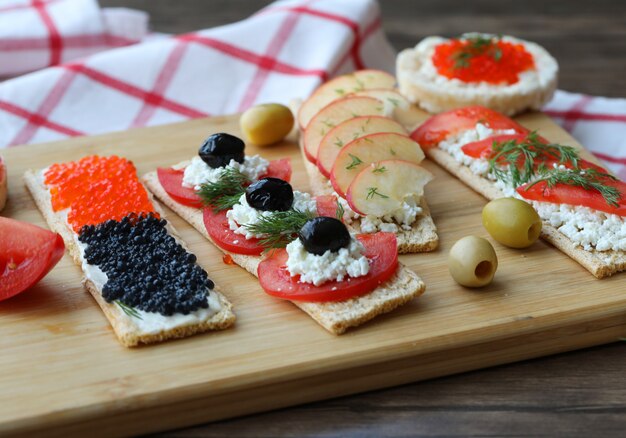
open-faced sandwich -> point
(135, 266)
(582, 206)
(294, 243)
(503, 73)
(355, 146)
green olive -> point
(512, 222)
(472, 261)
(267, 123)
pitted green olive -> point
(472, 261)
(267, 123)
(512, 222)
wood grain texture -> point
(58, 330)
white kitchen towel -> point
(39, 33)
(282, 52)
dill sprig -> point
(477, 45)
(226, 191)
(128, 310)
(279, 228)
(514, 162)
(340, 211)
(588, 179)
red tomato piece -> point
(27, 254)
(279, 169)
(326, 205)
(380, 248)
(172, 181)
(441, 126)
(575, 195)
(3, 184)
(217, 226)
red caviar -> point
(227, 259)
(495, 62)
(97, 189)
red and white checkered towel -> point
(280, 53)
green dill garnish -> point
(226, 191)
(328, 124)
(477, 45)
(360, 85)
(279, 228)
(338, 142)
(588, 179)
(394, 102)
(340, 91)
(373, 191)
(514, 162)
(368, 140)
(392, 151)
(355, 162)
(128, 310)
(340, 211)
(379, 169)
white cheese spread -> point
(403, 218)
(242, 215)
(591, 229)
(317, 269)
(198, 172)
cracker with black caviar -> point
(336, 317)
(131, 301)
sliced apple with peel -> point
(396, 106)
(381, 188)
(333, 114)
(350, 130)
(340, 87)
(360, 153)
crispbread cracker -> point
(600, 263)
(128, 333)
(422, 236)
(335, 317)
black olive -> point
(321, 234)
(270, 194)
(219, 149)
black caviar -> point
(146, 268)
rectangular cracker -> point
(600, 263)
(126, 330)
(336, 317)
(422, 237)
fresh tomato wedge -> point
(380, 248)
(217, 226)
(575, 195)
(27, 254)
(172, 181)
(440, 126)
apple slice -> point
(332, 115)
(340, 87)
(350, 130)
(397, 106)
(360, 153)
(3, 184)
(381, 187)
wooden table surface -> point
(575, 394)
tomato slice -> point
(440, 126)
(380, 248)
(217, 226)
(172, 181)
(326, 205)
(27, 254)
(575, 195)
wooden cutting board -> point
(63, 370)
